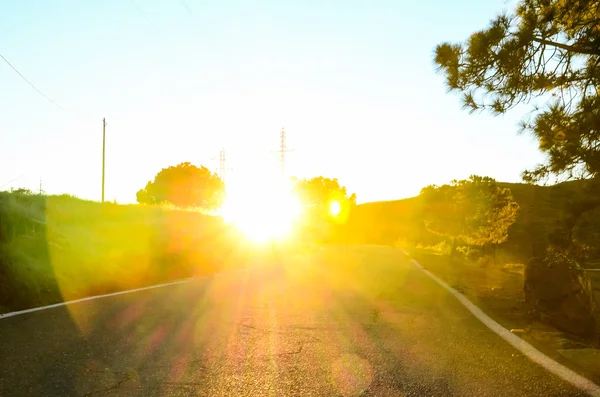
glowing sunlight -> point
(335, 208)
(263, 210)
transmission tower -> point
(282, 150)
(222, 168)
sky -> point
(352, 82)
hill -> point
(55, 248)
(541, 209)
(497, 289)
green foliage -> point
(184, 185)
(476, 211)
(496, 211)
(547, 48)
(321, 191)
(444, 212)
(55, 248)
(586, 235)
(470, 253)
(21, 190)
(18, 214)
(541, 209)
(317, 195)
(442, 247)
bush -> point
(561, 293)
(442, 247)
(472, 254)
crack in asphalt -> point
(289, 353)
(128, 377)
(198, 361)
(109, 389)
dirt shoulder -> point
(498, 291)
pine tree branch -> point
(566, 47)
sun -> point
(263, 210)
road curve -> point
(343, 321)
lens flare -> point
(335, 208)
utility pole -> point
(40, 185)
(103, 153)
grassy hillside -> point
(55, 248)
(497, 289)
(541, 209)
(383, 222)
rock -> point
(561, 293)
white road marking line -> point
(89, 298)
(534, 354)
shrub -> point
(470, 253)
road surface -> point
(338, 322)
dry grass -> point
(496, 289)
(541, 210)
(61, 248)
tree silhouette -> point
(327, 207)
(476, 211)
(496, 212)
(320, 192)
(444, 212)
(184, 185)
(20, 190)
(547, 48)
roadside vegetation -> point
(494, 274)
(522, 247)
(55, 248)
(60, 248)
(184, 185)
(543, 55)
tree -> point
(21, 190)
(327, 207)
(184, 185)
(476, 211)
(320, 192)
(496, 212)
(444, 212)
(548, 49)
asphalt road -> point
(341, 322)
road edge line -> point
(568, 375)
(89, 298)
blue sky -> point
(353, 83)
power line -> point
(142, 13)
(187, 8)
(30, 83)
(12, 180)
